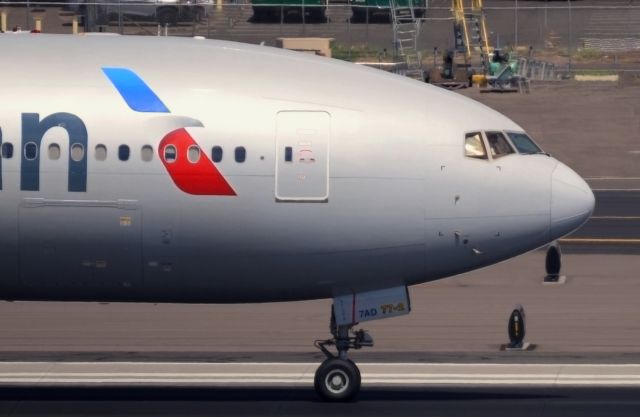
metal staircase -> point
(406, 30)
(471, 32)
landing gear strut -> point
(338, 377)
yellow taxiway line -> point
(599, 241)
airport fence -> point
(594, 32)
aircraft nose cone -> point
(572, 201)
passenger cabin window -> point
(193, 154)
(240, 154)
(474, 146)
(101, 152)
(524, 144)
(498, 144)
(146, 153)
(7, 150)
(170, 153)
(123, 152)
(54, 151)
(77, 152)
(216, 154)
(30, 151)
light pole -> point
(516, 27)
(570, 34)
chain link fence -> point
(570, 33)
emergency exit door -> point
(302, 156)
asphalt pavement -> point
(614, 226)
(298, 401)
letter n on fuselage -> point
(33, 130)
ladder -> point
(471, 33)
(406, 29)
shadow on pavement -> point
(256, 394)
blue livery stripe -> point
(135, 91)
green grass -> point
(355, 53)
(586, 54)
(595, 72)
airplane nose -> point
(572, 201)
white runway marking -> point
(614, 184)
(301, 374)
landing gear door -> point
(354, 308)
(302, 156)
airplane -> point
(185, 170)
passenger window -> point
(7, 150)
(123, 152)
(474, 146)
(498, 144)
(54, 151)
(240, 154)
(77, 152)
(101, 152)
(30, 151)
(524, 144)
(193, 154)
(170, 153)
(216, 154)
(146, 153)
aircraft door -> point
(302, 156)
(76, 246)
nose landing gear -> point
(338, 378)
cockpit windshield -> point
(523, 143)
(498, 144)
(474, 146)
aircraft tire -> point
(337, 380)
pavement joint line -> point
(206, 376)
(368, 364)
(615, 217)
(611, 178)
(308, 381)
(601, 190)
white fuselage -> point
(353, 179)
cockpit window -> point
(498, 144)
(523, 143)
(474, 146)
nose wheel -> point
(338, 379)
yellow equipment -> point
(471, 32)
